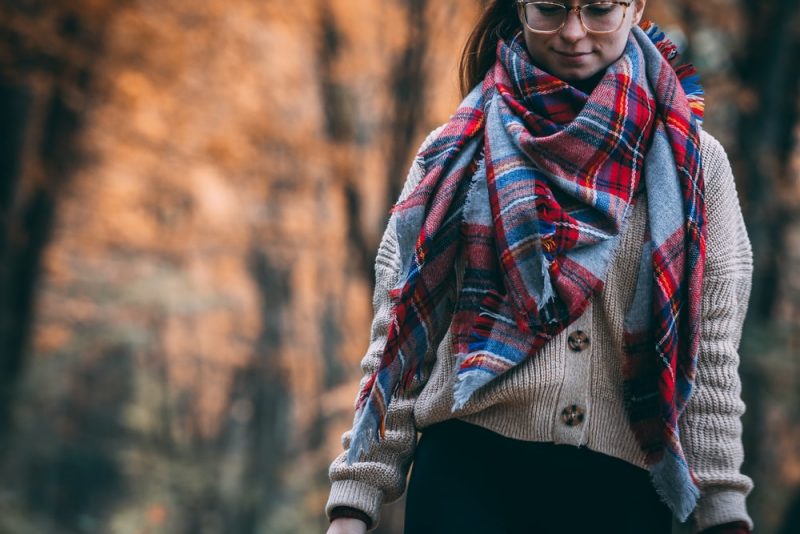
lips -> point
(571, 54)
(572, 59)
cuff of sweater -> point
(352, 513)
(719, 508)
(358, 495)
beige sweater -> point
(527, 402)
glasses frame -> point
(577, 9)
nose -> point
(573, 30)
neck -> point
(587, 85)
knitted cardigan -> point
(527, 402)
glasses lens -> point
(602, 16)
(544, 16)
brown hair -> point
(499, 19)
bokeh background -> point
(191, 196)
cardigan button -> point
(578, 341)
(573, 415)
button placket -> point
(572, 409)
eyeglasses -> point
(548, 17)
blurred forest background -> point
(191, 196)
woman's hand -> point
(347, 525)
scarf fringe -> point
(366, 432)
(466, 384)
(548, 293)
(675, 485)
(686, 72)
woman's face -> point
(572, 53)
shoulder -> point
(388, 250)
(719, 182)
(710, 144)
(417, 171)
(430, 137)
(713, 156)
(728, 243)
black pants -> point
(466, 479)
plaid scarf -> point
(532, 181)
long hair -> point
(499, 19)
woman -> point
(559, 299)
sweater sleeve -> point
(711, 428)
(380, 475)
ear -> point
(638, 10)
